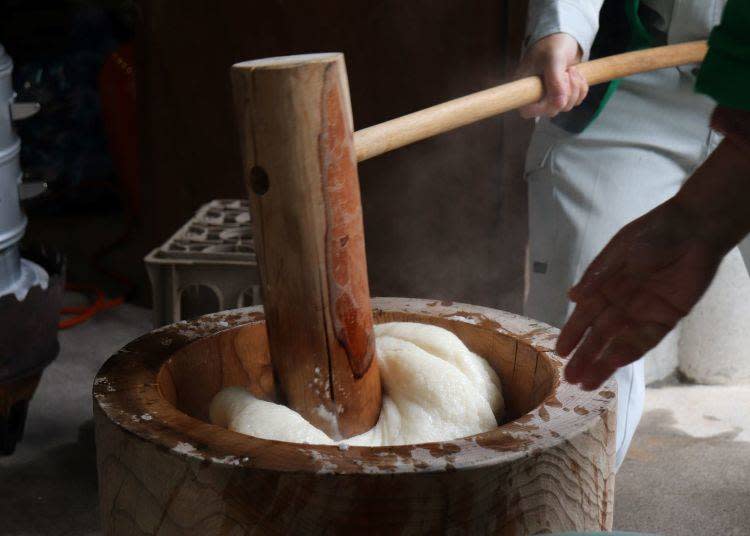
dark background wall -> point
(444, 218)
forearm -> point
(717, 196)
(578, 18)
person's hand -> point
(645, 280)
(553, 58)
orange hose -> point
(83, 312)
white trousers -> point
(583, 188)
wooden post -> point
(295, 125)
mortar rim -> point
(132, 401)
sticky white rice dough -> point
(434, 389)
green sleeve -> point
(725, 73)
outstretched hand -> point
(656, 268)
(645, 280)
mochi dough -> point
(434, 389)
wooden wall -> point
(445, 218)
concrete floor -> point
(688, 468)
(688, 471)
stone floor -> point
(688, 471)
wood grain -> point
(295, 127)
(164, 470)
(378, 139)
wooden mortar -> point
(164, 469)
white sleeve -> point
(578, 18)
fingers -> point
(622, 321)
(572, 98)
(583, 316)
(629, 346)
(579, 89)
(608, 325)
(551, 57)
(565, 88)
(584, 90)
(617, 355)
(619, 293)
(552, 103)
(613, 341)
(557, 86)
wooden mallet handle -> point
(295, 126)
(378, 139)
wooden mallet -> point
(297, 141)
(300, 166)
